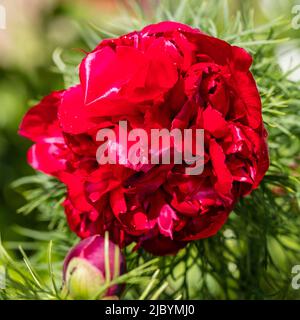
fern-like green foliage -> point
(252, 256)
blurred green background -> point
(35, 28)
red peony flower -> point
(167, 75)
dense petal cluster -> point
(167, 75)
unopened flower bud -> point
(86, 271)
